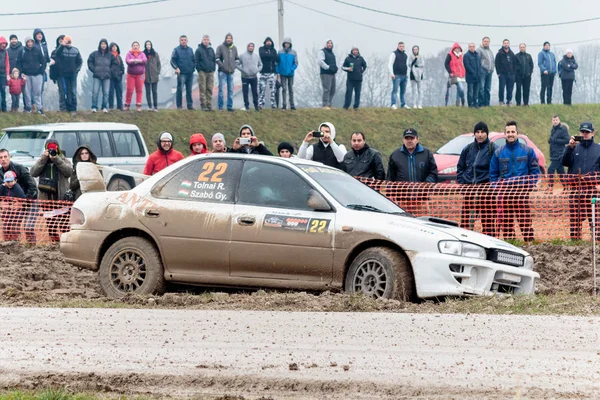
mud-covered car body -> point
(258, 221)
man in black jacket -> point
(355, 66)
(69, 63)
(328, 68)
(206, 65)
(183, 62)
(412, 162)
(100, 63)
(582, 158)
(33, 68)
(559, 138)
(55, 75)
(363, 161)
(506, 65)
(523, 74)
(15, 52)
(268, 75)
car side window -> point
(502, 141)
(209, 181)
(271, 185)
(67, 142)
(127, 144)
(98, 141)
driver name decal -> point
(299, 224)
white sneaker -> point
(420, 107)
(394, 107)
(94, 110)
(406, 106)
(414, 106)
(104, 110)
(243, 109)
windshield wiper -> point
(22, 152)
(366, 207)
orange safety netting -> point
(34, 221)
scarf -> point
(116, 54)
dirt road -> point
(300, 355)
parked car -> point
(116, 145)
(245, 220)
(446, 157)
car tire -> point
(118, 185)
(131, 266)
(381, 272)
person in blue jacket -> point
(184, 63)
(547, 65)
(472, 62)
(288, 62)
(515, 169)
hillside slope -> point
(383, 127)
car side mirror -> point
(90, 178)
(317, 202)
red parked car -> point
(446, 157)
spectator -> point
(417, 67)
(473, 168)
(474, 70)
(566, 72)
(39, 41)
(227, 60)
(326, 151)
(355, 66)
(559, 138)
(15, 53)
(398, 69)
(100, 63)
(54, 171)
(523, 74)
(255, 147)
(506, 65)
(206, 65)
(116, 78)
(582, 158)
(250, 65)
(198, 144)
(12, 211)
(218, 143)
(487, 64)
(285, 150)
(363, 161)
(33, 69)
(136, 68)
(268, 75)
(82, 154)
(328, 69)
(164, 155)
(183, 62)
(288, 62)
(547, 66)
(69, 63)
(514, 167)
(55, 75)
(412, 162)
(4, 72)
(15, 88)
(456, 74)
(152, 75)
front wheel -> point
(131, 266)
(118, 185)
(381, 273)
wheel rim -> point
(370, 279)
(128, 271)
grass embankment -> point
(383, 127)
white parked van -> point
(116, 145)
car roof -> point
(75, 126)
(275, 159)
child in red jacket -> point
(15, 85)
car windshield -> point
(27, 143)
(455, 146)
(350, 192)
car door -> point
(274, 234)
(190, 214)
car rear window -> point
(455, 146)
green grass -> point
(383, 127)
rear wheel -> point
(381, 272)
(131, 266)
(118, 185)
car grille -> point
(506, 257)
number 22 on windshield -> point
(212, 173)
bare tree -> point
(377, 85)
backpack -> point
(490, 148)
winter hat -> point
(9, 176)
(166, 136)
(13, 36)
(219, 135)
(569, 51)
(285, 146)
(545, 43)
(28, 39)
(481, 126)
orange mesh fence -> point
(538, 208)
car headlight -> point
(528, 263)
(462, 249)
(449, 170)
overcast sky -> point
(307, 28)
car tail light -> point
(77, 217)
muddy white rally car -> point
(255, 221)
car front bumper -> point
(81, 247)
(438, 275)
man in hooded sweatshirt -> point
(4, 71)
(198, 145)
(268, 56)
(250, 65)
(183, 62)
(288, 62)
(227, 60)
(164, 155)
(39, 41)
(69, 63)
(355, 66)
(506, 67)
(33, 68)
(117, 71)
(326, 150)
(99, 63)
(206, 64)
(254, 147)
(456, 74)
(328, 68)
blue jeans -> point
(225, 79)
(485, 88)
(505, 81)
(116, 91)
(399, 82)
(105, 85)
(473, 94)
(188, 81)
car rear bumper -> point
(438, 275)
(81, 247)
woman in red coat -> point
(456, 74)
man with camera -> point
(248, 143)
(582, 157)
(326, 151)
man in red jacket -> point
(164, 156)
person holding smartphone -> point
(326, 150)
(247, 143)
